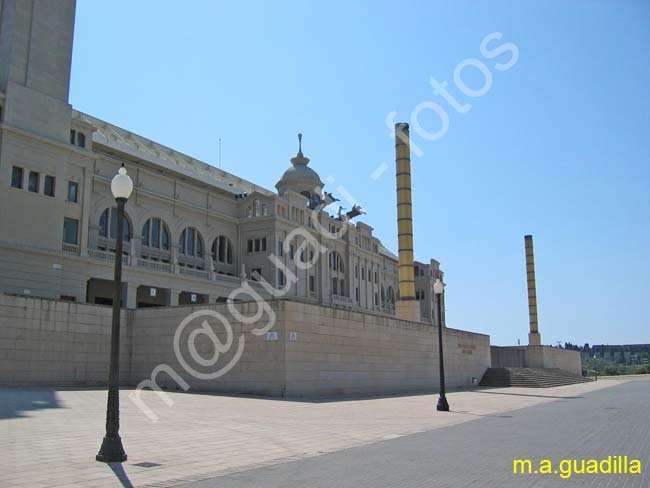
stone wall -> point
(340, 352)
(502, 357)
(308, 350)
(536, 357)
(45, 342)
(554, 357)
(260, 368)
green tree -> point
(645, 369)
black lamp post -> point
(112, 450)
(438, 289)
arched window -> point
(155, 234)
(222, 250)
(256, 208)
(191, 243)
(108, 225)
(383, 296)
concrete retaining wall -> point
(45, 342)
(554, 357)
(307, 351)
(339, 352)
(503, 357)
(536, 357)
(259, 369)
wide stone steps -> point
(530, 377)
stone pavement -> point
(593, 425)
(49, 438)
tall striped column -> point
(407, 307)
(534, 338)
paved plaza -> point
(49, 438)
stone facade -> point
(194, 236)
(310, 350)
(193, 230)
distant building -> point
(623, 353)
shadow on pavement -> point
(481, 414)
(527, 395)
(13, 403)
(118, 469)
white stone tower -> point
(35, 58)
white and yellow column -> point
(534, 338)
(407, 307)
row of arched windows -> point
(155, 235)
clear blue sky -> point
(558, 147)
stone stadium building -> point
(192, 231)
(193, 236)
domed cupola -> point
(301, 179)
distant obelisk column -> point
(534, 339)
(407, 307)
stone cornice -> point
(121, 140)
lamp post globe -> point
(121, 184)
(111, 450)
(439, 289)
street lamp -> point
(438, 289)
(112, 450)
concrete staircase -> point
(530, 377)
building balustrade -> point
(155, 265)
(152, 254)
(197, 273)
(153, 259)
(70, 248)
(106, 256)
(341, 300)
